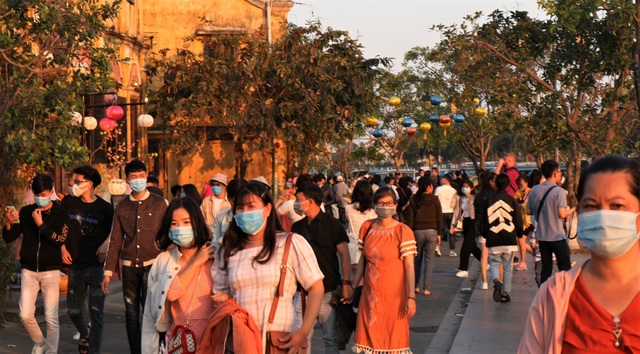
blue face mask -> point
(466, 190)
(217, 190)
(42, 202)
(182, 236)
(250, 222)
(138, 185)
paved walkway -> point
(490, 327)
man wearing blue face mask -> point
(44, 227)
(135, 225)
(217, 203)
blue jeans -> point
(81, 279)
(327, 319)
(506, 260)
(134, 290)
(426, 241)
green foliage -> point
(308, 89)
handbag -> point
(183, 340)
(273, 337)
(457, 227)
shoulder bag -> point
(273, 337)
(183, 340)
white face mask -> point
(608, 233)
(77, 191)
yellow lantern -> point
(476, 100)
(425, 127)
(454, 108)
(394, 101)
(399, 121)
(372, 122)
(481, 111)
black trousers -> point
(563, 257)
(134, 290)
(469, 245)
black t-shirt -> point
(324, 234)
(94, 220)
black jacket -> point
(502, 220)
(425, 214)
(40, 249)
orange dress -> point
(380, 328)
(589, 327)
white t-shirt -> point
(356, 219)
(445, 193)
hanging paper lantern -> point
(445, 122)
(372, 122)
(117, 187)
(145, 120)
(425, 127)
(481, 111)
(400, 121)
(115, 112)
(394, 101)
(107, 124)
(377, 133)
(90, 123)
(360, 125)
(458, 118)
(76, 118)
(435, 100)
(453, 108)
(411, 131)
(476, 100)
(434, 118)
(407, 122)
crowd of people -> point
(231, 267)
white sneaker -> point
(453, 253)
(76, 336)
(462, 274)
(484, 286)
(39, 349)
(438, 253)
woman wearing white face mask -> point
(179, 283)
(596, 307)
(388, 302)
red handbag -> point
(183, 340)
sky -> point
(390, 28)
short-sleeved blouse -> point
(589, 327)
(254, 285)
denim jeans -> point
(134, 291)
(563, 257)
(446, 225)
(506, 260)
(49, 283)
(327, 319)
(81, 280)
(426, 240)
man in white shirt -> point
(216, 203)
(446, 195)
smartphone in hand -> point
(12, 209)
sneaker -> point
(39, 349)
(438, 253)
(76, 336)
(497, 290)
(462, 274)
(573, 264)
(484, 286)
(453, 253)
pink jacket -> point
(545, 324)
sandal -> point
(83, 346)
(497, 291)
(505, 298)
(427, 292)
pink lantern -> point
(107, 124)
(115, 112)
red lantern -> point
(445, 122)
(107, 124)
(411, 131)
(115, 112)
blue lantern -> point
(377, 133)
(458, 118)
(434, 118)
(360, 125)
(407, 122)
(435, 100)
